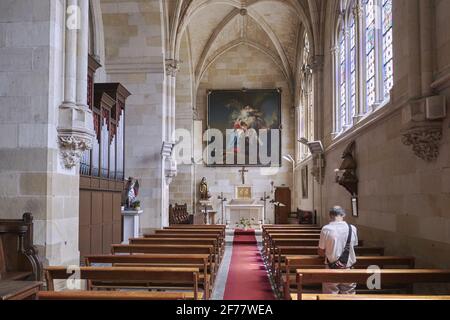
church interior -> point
(192, 149)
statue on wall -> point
(131, 193)
(348, 179)
(204, 193)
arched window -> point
(364, 59)
(306, 98)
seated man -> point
(337, 242)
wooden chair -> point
(129, 277)
(178, 215)
(18, 256)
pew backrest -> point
(361, 276)
(110, 295)
(119, 275)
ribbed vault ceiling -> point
(215, 26)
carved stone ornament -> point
(172, 67)
(424, 141)
(72, 148)
(170, 169)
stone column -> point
(426, 46)
(424, 114)
(169, 165)
(82, 54)
(360, 89)
(70, 63)
(75, 125)
(334, 84)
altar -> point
(244, 207)
(237, 209)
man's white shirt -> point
(333, 238)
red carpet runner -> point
(247, 276)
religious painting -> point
(304, 174)
(243, 192)
(244, 128)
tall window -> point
(306, 117)
(364, 59)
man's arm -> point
(322, 241)
(321, 252)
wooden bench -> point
(198, 226)
(130, 277)
(199, 261)
(267, 241)
(271, 251)
(283, 251)
(181, 241)
(211, 232)
(360, 276)
(110, 295)
(372, 297)
(18, 256)
(168, 249)
(287, 276)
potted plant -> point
(136, 205)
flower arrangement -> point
(245, 223)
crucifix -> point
(242, 172)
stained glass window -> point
(364, 58)
(352, 28)
(342, 80)
(370, 52)
(388, 65)
(307, 105)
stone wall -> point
(242, 66)
(32, 178)
(134, 57)
(403, 200)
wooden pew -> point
(283, 251)
(182, 241)
(18, 256)
(169, 249)
(288, 226)
(219, 233)
(128, 277)
(360, 276)
(268, 235)
(110, 295)
(197, 226)
(371, 297)
(272, 250)
(297, 235)
(199, 261)
(287, 278)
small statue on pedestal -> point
(204, 193)
(131, 193)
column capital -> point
(172, 67)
